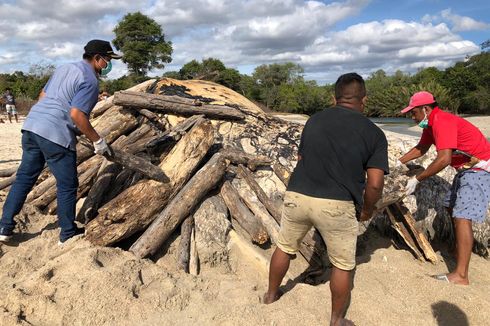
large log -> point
(5, 173)
(183, 251)
(160, 103)
(135, 208)
(104, 179)
(212, 227)
(282, 172)
(180, 207)
(193, 255)
(133, 162)
(113, 123)
(240, 213)
(7, 182)
(106, 104)
(264, 199)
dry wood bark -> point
(5, 173)
(183, 255)
(135, 208)
(264, 199)
(180, 207)
(403, 232)
(240, 213)
(161, 103)
(420, 238)
(194, 256)
(282, 172)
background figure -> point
(10, 105)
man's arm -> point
(443, 159)
(83, 124)
(415, 152)
(372, 192)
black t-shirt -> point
(337, 146)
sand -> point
(80, 284)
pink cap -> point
(418, 99)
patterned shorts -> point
(469, 195)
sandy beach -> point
(81, 284)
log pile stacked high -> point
(225, 165)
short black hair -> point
(350, 85)
(87, 56)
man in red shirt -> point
(469, 195)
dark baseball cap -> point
(101, 47)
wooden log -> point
(122, 181)
(194, 256)
(41, 188)
(7, 182)
(180, 207)
(175, 133)
(101, 185)
(5, 173)
(103, 106)
(259, 192)
(113, 123)
(135, 208)
(260, 212)
(183, 251)
(160, 103)
(242, 214)
(420, 238)
(282, 172)
(212, 226)
(250, 252)
(403, 232)
(237, 156)
(133, 162)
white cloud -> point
(241, 33)
(463, 23)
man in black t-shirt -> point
(338, 147)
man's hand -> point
(411, 185)
(365, 216)
(101, 148)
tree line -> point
(462, 88)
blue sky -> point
(327, 38)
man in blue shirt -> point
(49, 136)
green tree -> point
(142, 42)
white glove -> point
(484, 165)
(411, 185)
(102, 148)
(400, 166)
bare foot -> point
(271, 298)
(457, 279)
(342, 322)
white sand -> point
(79, 284)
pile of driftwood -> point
(203, 163)
(163, 176)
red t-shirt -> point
(448, 131)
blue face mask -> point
(424, 124)
(105, 71)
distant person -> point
(49, 136)
(456, 140)
(10, 105)
(339, 145)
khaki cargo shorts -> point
(334, 219)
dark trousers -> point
(62, 163)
